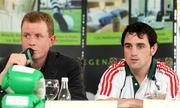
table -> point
(161, 104)
(81, 104)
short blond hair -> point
(35, 16)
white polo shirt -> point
(118, 82)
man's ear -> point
(154, 49)
(53, 39)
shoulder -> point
(116, 69)
(169, 76)
(162, 67)
(61, 59)
(167, 71)
(118, 66)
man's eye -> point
(128, 46)
(27, 36)
(140, 46)
(39, 36)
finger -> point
(28, 62)
(19, 59)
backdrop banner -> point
(90, 30)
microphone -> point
(28, 52)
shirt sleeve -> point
(172, 83)
(111, 83)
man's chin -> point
(134, 66)
(35, 57)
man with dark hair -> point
(139, 75)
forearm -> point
(2, 74)
(132, 103)
(4, 71)
(127, 103)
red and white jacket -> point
(118, 82)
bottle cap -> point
(64, 79)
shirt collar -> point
(151, 73)
(152, 70)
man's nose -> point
(32, 42)
(134, 51)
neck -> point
(141, 73)
(37, 64)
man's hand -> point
(128, 103)
(15, 58)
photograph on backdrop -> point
(66, 15)
(106, 16)
(103, 35)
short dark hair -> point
(35, 16)
(140, 29)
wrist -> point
(1, 90)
